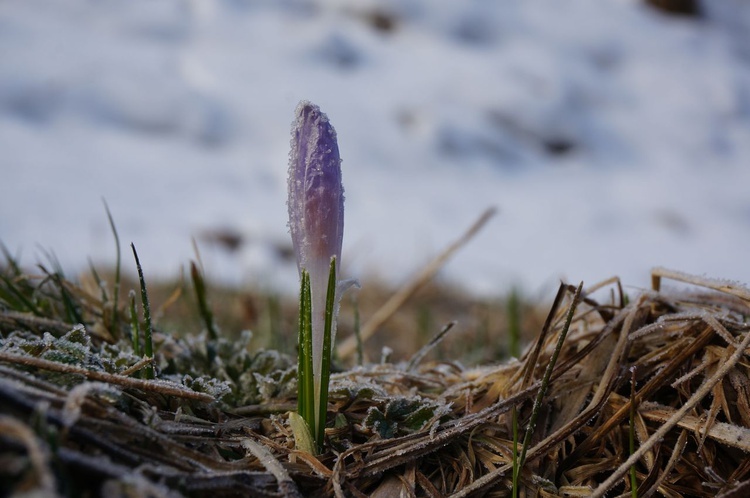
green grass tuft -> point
(148, 344)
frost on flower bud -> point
(316, 195)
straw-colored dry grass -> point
(76, 418)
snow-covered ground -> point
(612, 138)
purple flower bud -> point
(316, 195)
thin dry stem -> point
(349, 346)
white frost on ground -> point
(612, 138)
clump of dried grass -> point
(76, 419)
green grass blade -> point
(16, 298)
(306, 387)
(199, 284)
(11, 261)
(148, 346)
(135, 328)
(545, 379)
(99, 282)
(325, 371)
(302, 368)
(71, 310)
(18, 293)
(116, 297)
(57, 278)
(514, 414)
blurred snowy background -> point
(611, 136)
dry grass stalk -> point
(399, 298)
(161, 387)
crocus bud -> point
(316, 222)
(316, 195)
